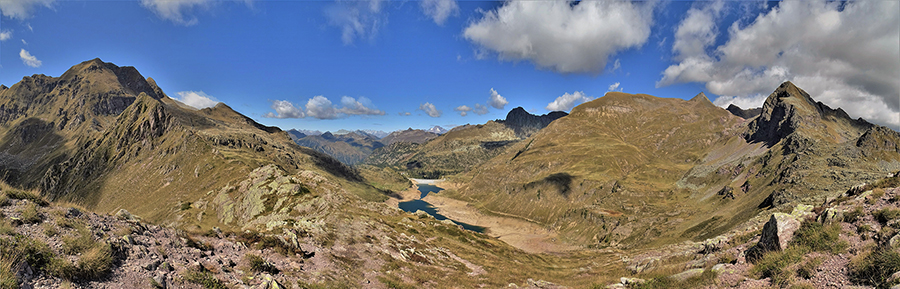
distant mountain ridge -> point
(463, 147)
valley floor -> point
(522, 234)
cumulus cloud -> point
(22, 9)
(321, 108)
(463, 110)
(440, 10)
(496, 100)
(563, 36)
(567, 101)
(177, 11)
(5, 35)
(196, 99)
(429, 109)
(285, 109)
(843, 53)
(362, 106)
(480, 109)
(614, 87)
(356, 19)
(29, 59)
(404, 113)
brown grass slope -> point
(148, 157)
(634, 170)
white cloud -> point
(22, 9)
(750, 101)
(439, 10)
(285, 109)
(843, 53)
(321, 108)
(24, 42)
(404, 113)
(177, 11)
(429, 109)
(697, 31)
(480, 109)
(562, 36)
(196, 99)
(496, 100)
(567, 101)
(356, 19)
(29, 59)
(614, 87)
(363, 106)
(5, 35)
(463, 110)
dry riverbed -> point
(527, 236)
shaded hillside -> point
(463, 147)
(350, 148)
(629, 169)
(103, 137)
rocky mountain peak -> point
(105, 78)
(789, 109)
(744, 113)
(525, 124)
(701, 99)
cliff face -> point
(526, 124)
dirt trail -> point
(527, 236)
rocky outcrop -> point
(744, 113)
(777, 233)
(410, 135)
(789, 109)
(526, 124)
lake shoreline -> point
(527, 236)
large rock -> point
(776, 235)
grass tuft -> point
(258, 264)
(853, 216)
(30, 214)
(886, 215)
(875, 268)
(203, 278)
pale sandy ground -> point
(527, 236)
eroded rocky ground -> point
(848, 242)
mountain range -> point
(635, 185)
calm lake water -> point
(415, 205)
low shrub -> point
(82, 241)
(808, 269)
(93, 264)
(707, 278)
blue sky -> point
(324, 65)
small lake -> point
(425, 189)
(416, 205)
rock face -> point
(777, 233)
(526, 124)
(744, 113)
(790, 109)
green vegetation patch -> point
(707, 278)
(875, 268)
(203, 278)
(820, 238)
(885, 215)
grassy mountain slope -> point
(635, 170)
(100, 137)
